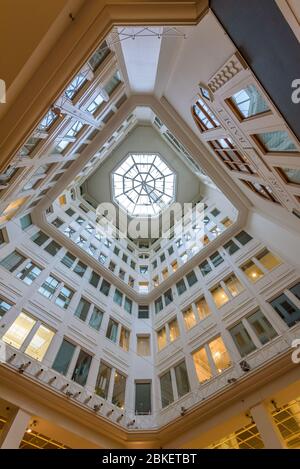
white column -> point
(14, 430)
(267, 428)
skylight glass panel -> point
(75, 129)
(143, 185)
(249, 102)
(47, 121)
(75, 85)
(94, 105)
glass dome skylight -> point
(143, 185)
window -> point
(162, 257)
(202, 308)
(80, 269)
(219, 354)
(64, 297)
(203, 116)
(179, 242)
(12, 261)
(75, 85)
(74, 130)
(49, 287)
(95, 104)
(248, 102)
(132, 265)
(219, 296)
(118, 297)
(231, 247)
(234, 285)
(202, 365)
(64, 356)
(227, 152)
(19, 330)
(265, 192)
(112, 330)
(70, 212)
(243, 237)
(142, 398)
(290, 175)
(57, 222)
(287, 310)
(182, 379)
(4, 307)
(81, 241)
(143, 345)
(158, 305)
(174, 266)
(278, 141)
(39, 238)
(174, 330)
(113, 83)
(215, 212)
(116, 251)
(191, 278)
(143, 185)
(181, 288)
(242, 339)
(124, 339)
(82, 368)
(94, 279)
(52, 248)
(168, 297)
(103, 380)
(189, 318)
(25, 221)
(80, 220)
(112, 266)
(39, 343)
(170, 250)
(105, 287)
(2, 236)
(216, 259)
(268, 259)
(205, 268)
(262, 327)
(118, 397)
(102, 258)
(165, 273)
(29, 273)
(68, 260)
(82, 309)
(68, 231)
(166, 389)
(122, 274)
(128, 305)
(252, 271)
(296, 290)
(154, 264)
(143, 269)
(143, 312)
(96, 318)
(161, 338)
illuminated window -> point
(268, 259)
(165, 273)
(103, 380)
(248, 102)
(19, 330)
(278, 141)
(234, 285)
(252, 271)
(118, 397)
(143, 345)
(202, 308)
(219, 296)
(174, 330)
(219, 354)
(202, 365)
(143, 185)
(161, 338)
(124, 339)
(189, 318)
(39, 343)
(174, 266)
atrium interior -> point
(149, 229)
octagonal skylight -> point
(143, 185)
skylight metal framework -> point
(143, 185)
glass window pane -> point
(252, 271)
(219, 296)
(249, 102)
(268, 259)
(296, 290)
(278, 141)
(243, 237)
(143, 398)
(64, 357)
(112, 330)
(96, 318)
(174, 330)
(219, 354)
(53, 248)
(68, 260)
(231, 247)
(49, 287)
(182, 379)
(286, 309)
(118, 397)
(105, 287)
(202, 365)
(143, 346)
(29, 273)
(166, 389)
(181, 288)
(124, 339)
(262, 327)
(191, 278)
(64, 298)
(205, 268)
(4, 307)
(189, 318)
(242, 339)
(82, 309)
(234, 285)
(292, 175)
(82, 368)
(203, 308)
(39, 343)
(158, 305)
(12, 261)
(161, 338)
(19, 330)
(103, 380)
